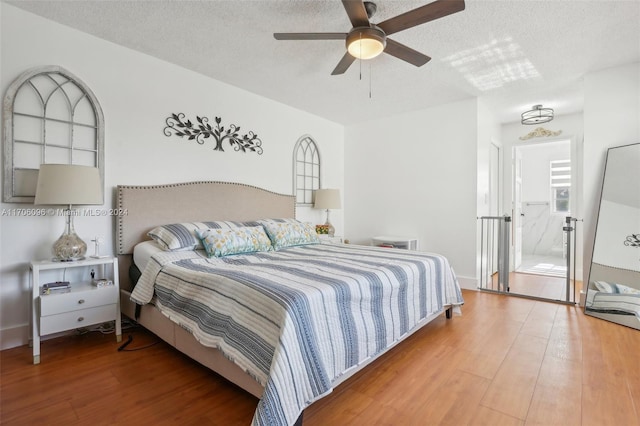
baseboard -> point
(21, 335)
(468, 283)
(14, 337)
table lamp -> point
(68, 185)
(328, 199)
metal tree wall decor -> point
(202, 130)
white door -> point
(517, 209)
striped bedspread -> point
(614, 303)
(299, 318)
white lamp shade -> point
(327, 199)
(68, 184)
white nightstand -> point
(336, 239)
(407, 243)
(85, 304)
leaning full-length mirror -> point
(613, 292)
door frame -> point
(495, 193)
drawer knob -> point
(80, 302)
(80, 319)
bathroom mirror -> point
(613, 291)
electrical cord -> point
(123, 347)
(109, 327)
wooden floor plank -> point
(512, 389)
(461, 390)
(487, 417)
(558, 394)
(505, 361)
(540, 320)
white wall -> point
(611, 118)
(414, 174)
(137, 93)
(536, 168)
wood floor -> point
(505, 361)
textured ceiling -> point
(512, 54)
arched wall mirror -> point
(613, 292)
(50, 116)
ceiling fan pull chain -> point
(369, 80)
(360, 59)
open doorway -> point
(544, 202)
(543, 192)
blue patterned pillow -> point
(224, 242)
(181, 236)
(289, 232)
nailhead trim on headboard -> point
(286, 201)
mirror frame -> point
(619, 277)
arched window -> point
(50, 116)
(306, 169)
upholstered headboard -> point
(144, 207)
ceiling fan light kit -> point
(537, 115)
(366, 40)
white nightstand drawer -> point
(90, 297)
(76, 319)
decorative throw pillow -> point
(224, 242)
(289, 232)
(182, 236)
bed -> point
(288, 324)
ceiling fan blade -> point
(310, 36)
(405, 53)
(426, 13)
(344, 64)
(356, 12)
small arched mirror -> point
(613, 291)
(306, 170)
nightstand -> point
(84, 303)
(407, 243)
(336, 239)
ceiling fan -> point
(366, 40)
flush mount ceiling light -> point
(537, 115)
(366, 42)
